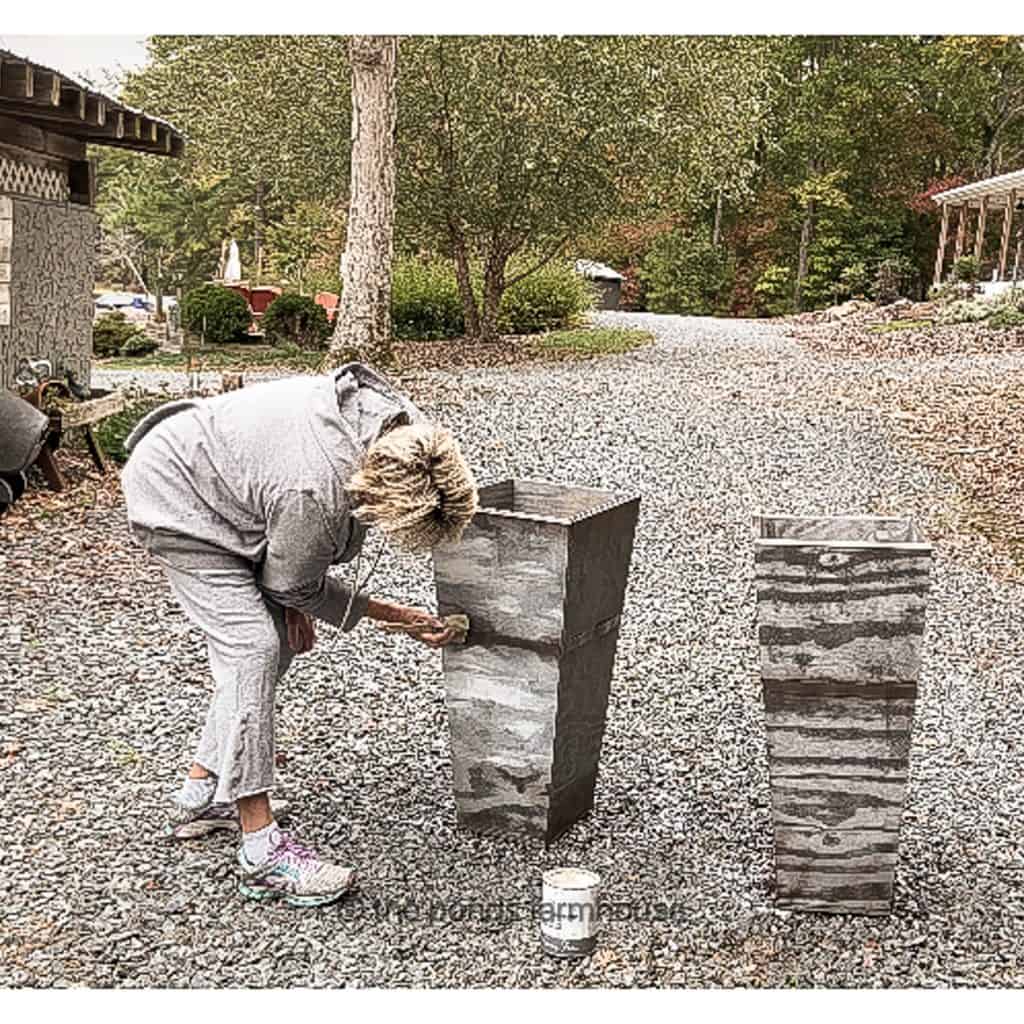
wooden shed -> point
(607, 281)
(48, 227)
(966, 213)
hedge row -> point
(425, 306)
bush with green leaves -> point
(965, 269)
(965, 311)
(1006, 316)
(297, 320)
(215, 313)
(773, 293)
(855, 280)
(549, 299)
(114, 335)
(684, 273)
(894, 278)
(425, 302)
(112, 431)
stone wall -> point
(47, 266)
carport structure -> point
(1003, 194)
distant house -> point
(48, 227)
(608, 282)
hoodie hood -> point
(369, 404)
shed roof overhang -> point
(995, 191)
(54, 102)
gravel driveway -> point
(714, 422)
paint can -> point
(569, 912)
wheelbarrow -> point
(22, 436)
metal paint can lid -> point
(571, 879)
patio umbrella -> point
(233, 267)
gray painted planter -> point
(541, 572)
(841, 610)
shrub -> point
(218, 314)
(773, 293)
(114, 335)
(296, 320)
(425, 303)
(965, 270)
(685, 273)
(893, 279)
(855, 280)
(114, 430)
(139, 344)
(1007, 316)
(965, 311)
(550, 298)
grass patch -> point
(597, 341)
(221, 357)
(899, 325)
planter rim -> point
(798, 542)
(921, 544)
(614, 501)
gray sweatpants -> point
(248, 646)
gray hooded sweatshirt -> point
(260, 473)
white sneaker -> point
(294, 873)
(217, 817)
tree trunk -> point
(257, 234)
(363, 325)
(806, 233)
(716, 233)
(159, 311)
(494, 289)
(470, 309)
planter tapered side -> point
(541, 572)
(841, 613)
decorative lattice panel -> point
(33, 180)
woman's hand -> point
(301, 634)
(414, 622)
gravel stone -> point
(104, 694)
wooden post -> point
(940, 256)
(1004, 242)
(961, 227)
(979, 241)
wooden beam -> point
(111, 132)
(73, 101)
(1004, 241)
(961, 228)
(46, 88)
(96, 110)
(979, 240)
(17, 80)
(39, 140)
(940, 256)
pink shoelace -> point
(293, 850)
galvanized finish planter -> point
(841, 610)
(541, 572)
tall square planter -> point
(541, 572)
(841, 614)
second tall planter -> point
(541, 572)
(841, 607)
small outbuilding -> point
(608, 282)
(48, 226)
